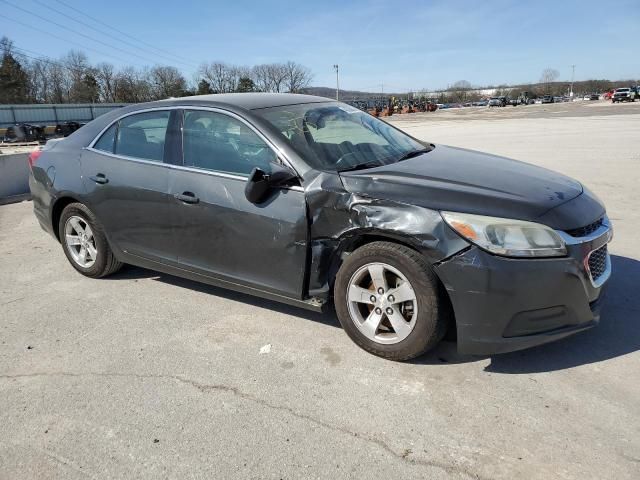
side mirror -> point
(260, 183)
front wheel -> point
(84, 242)
(388, 300)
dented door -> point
(220, 233)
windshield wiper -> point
(414, 153)
(361, 166)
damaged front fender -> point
(340, 221)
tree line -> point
(463, 91)
(73, 79)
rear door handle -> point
(100, 178)
(187, 197)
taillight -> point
(33, 157)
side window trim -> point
(115, 138)
(281, 157)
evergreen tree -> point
(245, 84)
(204, 88)
(14, 81)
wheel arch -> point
(355, 242)
(351, 241)
(56, 211)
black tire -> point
(433, 312)
(105, 262)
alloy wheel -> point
(80, 242)
(382, 303)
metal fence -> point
(53, 114)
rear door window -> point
(107, 140)
(143, 135)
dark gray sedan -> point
(305, 200)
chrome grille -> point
(598, 262)
(586, 230)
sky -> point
(403, 45)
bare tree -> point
(298, 76)
(166, 82)
(77, 65)
(39, 82)
(132, 86)
(277, 77)
(459, 91)
(261, 78)
(549, 75)
(58, 80)
(106, 77)
(270, 77)
(219, 75)
(73, 78)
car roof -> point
(248, 101)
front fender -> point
(340, 221)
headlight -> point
(503, 236)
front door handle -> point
(187, 197)
(100, 178)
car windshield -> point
(337, 137)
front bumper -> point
(506, 304)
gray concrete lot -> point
(145, 375)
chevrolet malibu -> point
(312, 202)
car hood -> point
(455, 179)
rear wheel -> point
(389, 302)
(84, 242)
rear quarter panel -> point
(55, 176)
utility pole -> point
(573, 71)
(337, 83)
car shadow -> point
(617, 334)
(130, 272)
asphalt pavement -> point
(145, 375)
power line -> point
(113, 28)
(44, 59)
(39, 30)
(109, 35)
(76, 32)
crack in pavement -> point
(205, 388)
(55, 457)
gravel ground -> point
(146, 375)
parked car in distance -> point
(497, 101)
(309, 201)
(625, 94)
(548, 99)
(594, 96)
